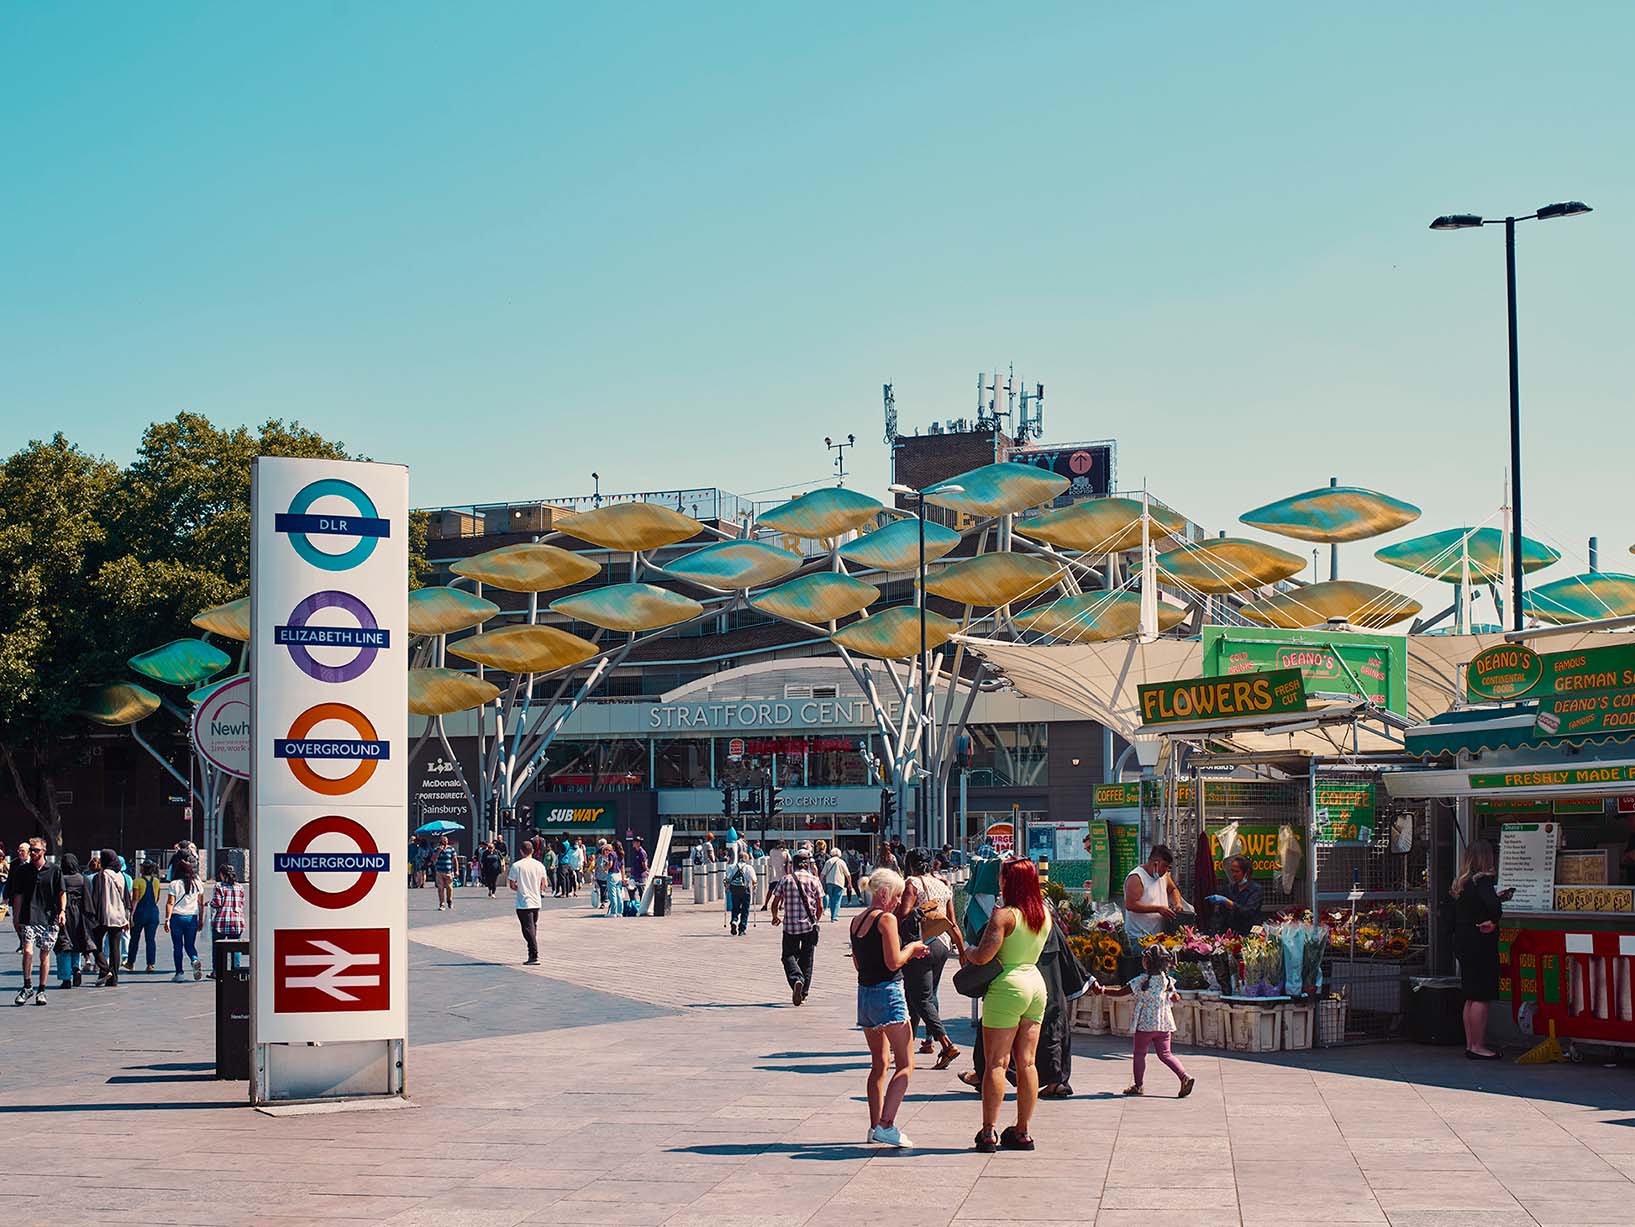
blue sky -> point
(680, 244)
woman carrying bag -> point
(926, 913)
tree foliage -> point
(99, 562)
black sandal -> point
(970, 1079)
(1012, 1140)
(1057, 1090)
(986, 1142)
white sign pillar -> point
(329, 778)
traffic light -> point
(754, 801)
(729, 802)
(774, 805)
(888, 809)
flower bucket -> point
(1297, 1026)
(1186, 1022)
(1209, 1027)
(1252, 1028)
(1092, 1015)
(1121, 1015)
(1332, 1017)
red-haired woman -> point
(1014, 1005)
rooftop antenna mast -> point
(890, 399)
(1031, 424)
(838, 447)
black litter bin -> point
(1435, 1010)
(661, 895)
(233, 1011)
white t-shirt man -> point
(527, 876)
(777, 864)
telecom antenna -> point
(891, 413)
(1031, 425)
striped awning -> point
(1478, 729)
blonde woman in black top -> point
(1477, 908)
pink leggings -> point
(1158, 1041)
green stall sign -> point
(1560, 777)
(1345, 812)
(1503, 671)
(1374, 667)
(1204, 699)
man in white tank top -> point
(1150, 894)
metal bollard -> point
(715, 881)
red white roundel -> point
(367, 861)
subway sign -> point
(1201, 699)
(575, 815)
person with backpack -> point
(145, 892)
(184, 903)
(74, 938)
(740, 882)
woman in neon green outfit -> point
(1014, 1005)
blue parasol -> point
(438, 827)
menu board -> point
(1527, 864)
(1098, 849)
(1124, 840)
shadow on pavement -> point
(195, 1066)
(807, 1150)
(834, 1067)
(8, 1109)
(161, 1078)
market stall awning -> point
(1103, 681)
(1568, 777)
(1472, 730)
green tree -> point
(54, 504)
(99, 563)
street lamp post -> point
(922, 812)
(1468, 221)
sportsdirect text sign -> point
(330, 772)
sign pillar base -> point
(356, 1069)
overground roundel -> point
(368, 862)
(367, 636)
(366, 524)
(296, 748)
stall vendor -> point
(1241, 900)
(1151, 897)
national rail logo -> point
(301, 524)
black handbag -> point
(973, 979)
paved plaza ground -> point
(652, 1071)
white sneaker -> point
(890, 1135)
(178, 978)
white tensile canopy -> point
(1102, 681)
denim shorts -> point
(881, 1005)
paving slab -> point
(654, 1072)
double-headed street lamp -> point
(921, 820)
(1466, 221)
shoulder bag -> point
(973, 979)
